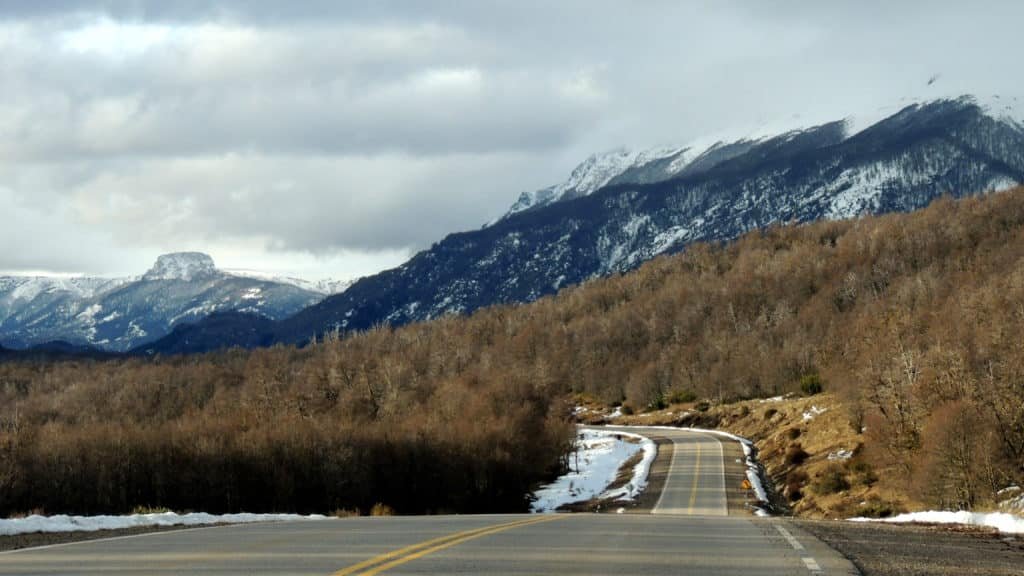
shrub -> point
(831, 481)
(794, 485)
(863, 473)
(380, 509)
(877, 508)
(681, 397)
(793, 433)
(702, 407)
(150, 510)
(659, 403)
(627, 408)
(796, 455)
(811, 384)
(769, 413)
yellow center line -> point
(394, 558)
(696, 480)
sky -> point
(325, 139)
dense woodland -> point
(914, 320)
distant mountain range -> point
(620, 209)
(68, 315)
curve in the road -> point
(688, 532)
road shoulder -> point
(908, 550)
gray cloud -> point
(334, 135)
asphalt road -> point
(688, 533)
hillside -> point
(910, 322)
(620, 210)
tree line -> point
(913, 319)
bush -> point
(811, 384)
(831, 481)
(681, 397)
(793, 433)
(796, 455)
(627, 409)
(794, 485)
(863, 472)
(150, 510)
(877, 508)
(769, 413)
(380, 509)
(659, 403)
(702, 407)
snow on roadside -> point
(35, 523)
(1007, 523)
(598, 458)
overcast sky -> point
(327, 140)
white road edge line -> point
(671, 467)
(812, 564)
(789, 538)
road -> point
(688, 532)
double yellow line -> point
(389, 560)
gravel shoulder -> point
(917, 550)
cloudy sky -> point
(329, 140)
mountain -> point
(618, 211)
(327, 287)
(120, 314)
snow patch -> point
(32, 524)
(1002, 521)
(812, 412)
(597, 460)
(840, 455)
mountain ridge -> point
(900, 163)
(117, 314)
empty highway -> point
(688, 532)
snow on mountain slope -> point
(595, 172)
(660, 202)
(326, 286)
(624, 166)
(181, 266)
(119, 314)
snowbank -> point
(1001, 521)
(62, 523)
(598, 458)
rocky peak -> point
(181, 266)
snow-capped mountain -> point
(624, 166)
(594, 173)
(120, 314)
(326, 287)
(617, 211)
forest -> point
(913, 320)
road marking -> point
(696, 481)
(671, 468)
(808, 561)
(389, 560)
(721, 465)
(789, 538)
